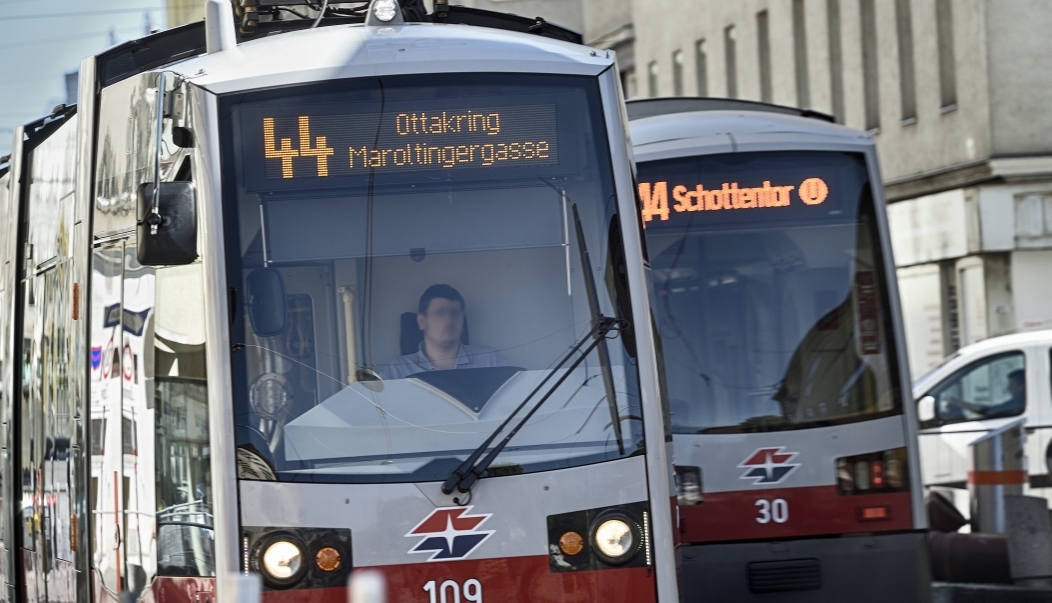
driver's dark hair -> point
(439, 291)
(1018, 375)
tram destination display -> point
(309, 147)
(675, 193)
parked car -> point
(979, 388)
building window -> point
(836, 62)
(677, 73)
(803, 85)
(947, 63)
(1033, 220)
(870, 76)
(652, 79)
(701, 66)
(763, 37)
(730, 54)
(907, 78)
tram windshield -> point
(769, 285)
(405, 269)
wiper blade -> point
(455, 478)
(597, 318)
(469, 472)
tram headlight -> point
(615, 538)
(282, 561)
(385, 10)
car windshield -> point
(770, 291)
(404, 270)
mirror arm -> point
(154, 218)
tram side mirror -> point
(267, 310)
(926, 409)
(168, 236)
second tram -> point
(794, 433)
(300, 301)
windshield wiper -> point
(597, 317)
(468, 473)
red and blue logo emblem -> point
(449, 533)
(768, 466)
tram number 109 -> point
(776, 510)
(440, 593)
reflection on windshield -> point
(390, 320)
(772, 318)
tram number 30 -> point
(452, 591)
(776, 510)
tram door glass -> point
(150, 489)
(769, 285)
(149, 422)
(7, 286)
(47, 365)
(347, 206)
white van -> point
(982, 387)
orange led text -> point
(654, 197)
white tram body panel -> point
(202, 444)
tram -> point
(301, 296)
(795, 444)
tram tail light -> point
(327, 559)
(571, 543)
(874, 513)
(872, 473)
(876, 473)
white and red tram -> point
(237, 282)
(795, 439)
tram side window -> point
(992, 387)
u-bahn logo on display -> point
(768, 466)
(449, 533)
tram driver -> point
(440, 316)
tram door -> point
(150, 480)
(106, 340)
(122, 460)
(49, 369)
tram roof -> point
(676, 127)
(355, 50)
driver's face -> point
(443, 322)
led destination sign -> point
(325, 146)
(655, 198)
